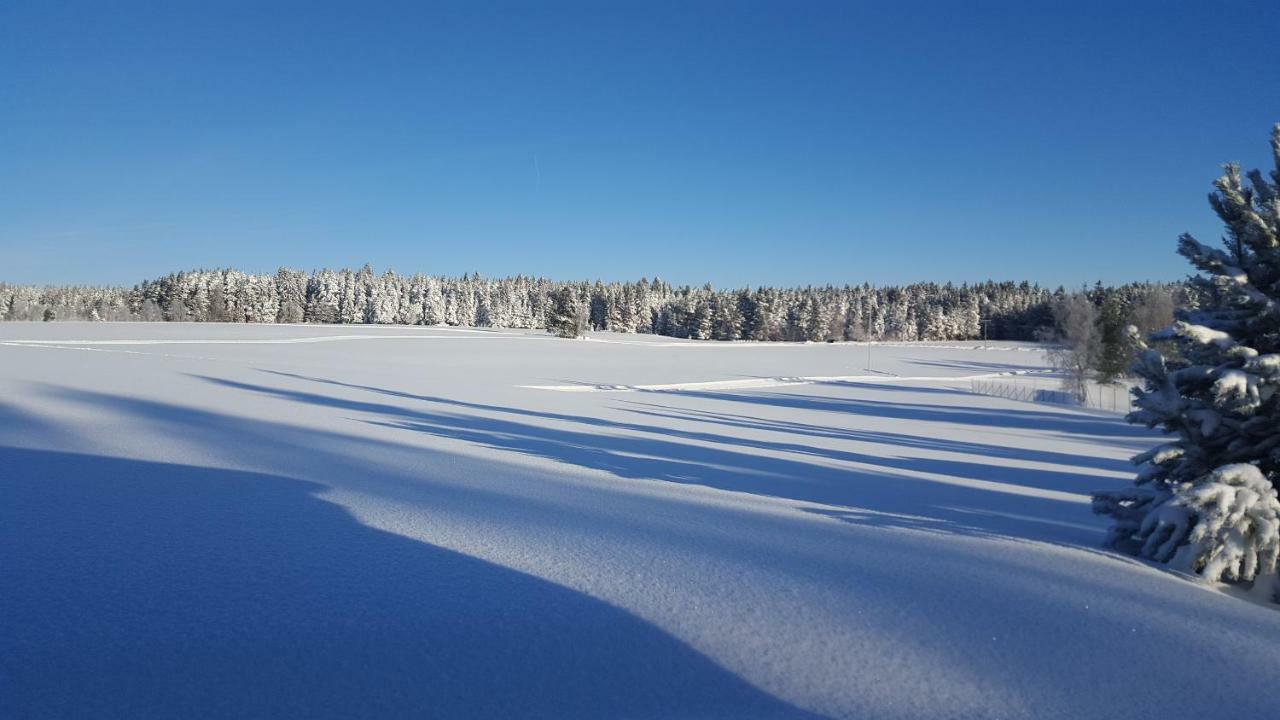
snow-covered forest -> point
(923, 311)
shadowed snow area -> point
(294, 521)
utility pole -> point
(869, 342)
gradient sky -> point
(738, 143)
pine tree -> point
(1115, 350)
(757, 314)
(433, 303)
(700, 317)
(1207, 502)
(727, 323)
(599, 307)
(218, 311)
(568, 316)
(350, 301)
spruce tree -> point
(568, 316)
(1207, 502)
(1114, 353)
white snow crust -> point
(293, 521)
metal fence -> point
(1112, 398)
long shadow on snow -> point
(976, 365)
(1067, 423)
(649, 457)
(717, 461)
(893, 387)
(749, 422)
(333, 455)
(1015, 594)
(1106, 430)
(1100, 429)
(139, 589)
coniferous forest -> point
(923, 311)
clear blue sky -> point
(731, 142)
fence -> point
(1112, 398)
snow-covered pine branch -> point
(1206, 502)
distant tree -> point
(49, 315)
(568, 316)
(432, 302)
(1073, 339)
(700, 319)
(1153, 309)
(1115, 350)
(758, 314)
(351, 298)
(150, 311)
(218, 310)
(599, 307)
(727, 318)
(291, 291)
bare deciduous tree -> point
(1074, 341)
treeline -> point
(923, 311)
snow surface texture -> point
(393, 526)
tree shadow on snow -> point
(921, 442)
(977, 365)
(647, 456)
(138, 589)
(894, 387)
(964, 497)
(1064, 422)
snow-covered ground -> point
(299, 521)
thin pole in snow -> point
(868, 342)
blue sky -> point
(737, 143)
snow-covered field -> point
(288, 521)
